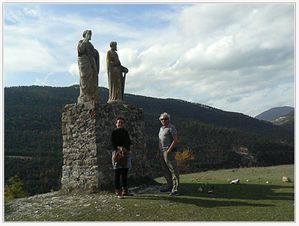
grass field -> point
(261, 195)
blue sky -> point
(235, 57)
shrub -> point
(14, 189)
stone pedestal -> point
(87, 148)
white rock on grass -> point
(286, 179)
(236, 181)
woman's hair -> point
(120, 118)
(164, 115)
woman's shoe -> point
(126, 192)
(119, 194)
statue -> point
(116, 75)
(88, 62)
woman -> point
(121, 143)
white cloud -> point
(74, 69)
(27, 55)
(33, 12)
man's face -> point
(120, 123)
(164, 121)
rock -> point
(236, 181)
(286, 179)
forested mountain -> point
(216, 138)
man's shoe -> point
(165, 190)
(173, 193)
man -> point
(166, 153)
(121, 143)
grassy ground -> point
(207, 196)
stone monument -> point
(87, 148)
(88, 62)
(116, 75)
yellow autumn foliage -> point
(184, 155)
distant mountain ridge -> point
(287, 121)
(274, 113)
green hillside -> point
(216, 138)
(261, 195)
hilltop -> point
(281, 116)
(274, 113)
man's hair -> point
(164, 115)
(120, 118)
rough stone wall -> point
(87, 146)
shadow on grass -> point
(201, 202)
(239, 191)
(240, 195)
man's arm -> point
(173, 143)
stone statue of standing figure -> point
(88, 62)
(116, 75)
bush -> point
(14, 189)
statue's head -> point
(113, 45)
(87, 32)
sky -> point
(236, 57)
